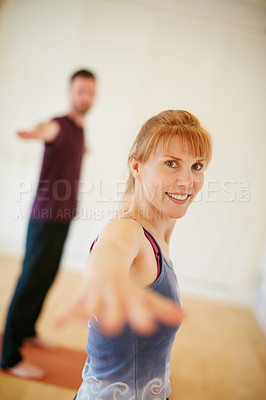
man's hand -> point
(43, 131)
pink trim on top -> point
(156, 251)
(93, 243)
(154, 246)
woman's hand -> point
(117, 301)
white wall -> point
(208, 57)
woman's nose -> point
(185, 178)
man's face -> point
(82, 94)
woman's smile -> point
(178, 198)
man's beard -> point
(82, 110)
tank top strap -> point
(156, 251)
(154, 245)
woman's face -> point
(170, 180)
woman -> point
(130, 291)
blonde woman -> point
(130, 291)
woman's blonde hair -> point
(161, 128)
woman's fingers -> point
(112, 317)
(82, 305)
(118, 303)
(142, 309)
(165, 310)
(140, 317)
(146, 313)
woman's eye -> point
(197, 166)
(171, 164)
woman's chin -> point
(177, 214)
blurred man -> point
(53, 209)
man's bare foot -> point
(38, 342)
(26, 370)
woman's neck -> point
(157, 224)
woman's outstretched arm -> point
(109, 292)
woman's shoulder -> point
(125, 229)
(120, 236)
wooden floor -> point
(219, 352)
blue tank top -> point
(129, 366)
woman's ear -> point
(134, 167)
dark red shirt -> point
(56, 197)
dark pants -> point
(44, 247)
